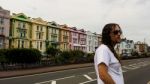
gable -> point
(39, 21)
(53, 23)
(22, 16)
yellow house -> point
(64, 37)
(38, 34)
(20, 26)
(53, 35)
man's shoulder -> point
(102, 47)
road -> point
(136, 71)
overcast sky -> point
(132, 15)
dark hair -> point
(106, 39)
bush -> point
(90, 57)
(53, 55)
(23, 55)
(3, 55)
(70, 57)
(77, 56)
(134, 53)
(64, 58)
(51, 51)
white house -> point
(126, 47)
(141, 47)
(92, 41)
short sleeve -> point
(102, 56)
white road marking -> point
(91, 72)
(88, 77)
(142, 64)
(126, 67)
(134, 66)
(65, 78)
(87, 81)
(54, 80)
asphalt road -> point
(136, 71)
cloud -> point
(142, 2)
(132, 15)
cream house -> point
(20, 26)
(38, 34)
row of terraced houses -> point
(21, 31)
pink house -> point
(4, 28)
(77, 39)
(82, 39)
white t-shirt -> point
(104, 55)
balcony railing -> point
(23, 28)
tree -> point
(52, 51)
(23, 55)
(3, 59)
(53, 54)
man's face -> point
(116, 34)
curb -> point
(7, 74)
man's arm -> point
(104, 75)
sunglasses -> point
(116, 32)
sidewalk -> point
(6, 74)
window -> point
(75, 34)
(74, 40)
(21, 34)
(64, 32)
(18, 43)
(37, 35)
(41, 28)
(24, 34)
(55, 39)
(22, 44)
(19, 25)
(23, 25)
(89, 37)
(40, 45)
(129, 46)
(37, 45)
(1, 42)
(41, 35)
(55, 31)
(1, 20)
(64, 46)
(1, 30)
(89, 42)
(37, 28)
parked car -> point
(126, 55)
